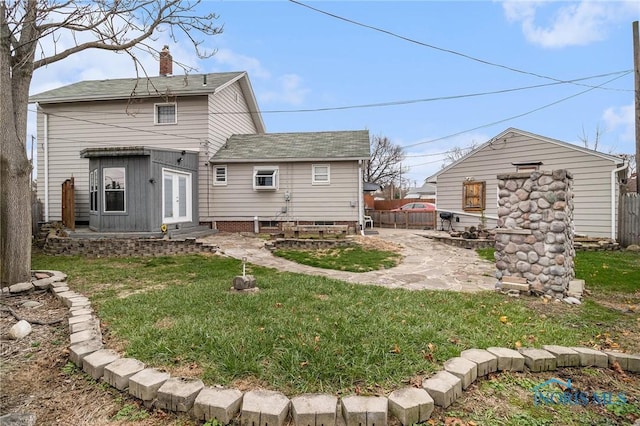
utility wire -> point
(379, 104)
(453, 52)
(407, 146)
(514, 116)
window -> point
(114, 189)
(473, 196)
(220, 175)
(93, 190)
(320, 174)
(165, 113)
(265, 178)
(530, 166)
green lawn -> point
(304, 333)
(605, 271)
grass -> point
(303, 333)
(615, 271)
(353, 258)
(603, 271)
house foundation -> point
(534, 239)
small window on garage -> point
(220, 175)
(320, 174)
(473, 196)
(527, 166)
(265, 178)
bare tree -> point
(385, 166)
(596, 138)
(457, 152)
(111, 25)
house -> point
(468, 187)
(168, 152)
(425, 192)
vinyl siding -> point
(229, 114)
(75, 126)
(239, 201)
(591, 180)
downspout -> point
(613, 199)
(360, 198)
(46, 166)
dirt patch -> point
(374, 243)
(37, 378)
(523, 399)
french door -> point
(176, 196)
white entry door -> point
(176, 196)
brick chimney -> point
(166, 62)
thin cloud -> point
(290, 90)
(621, 118)
(572, 24)
(232, 60)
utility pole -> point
(636, 72)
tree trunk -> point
(15, 213)
(15, 170)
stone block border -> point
(263, 407)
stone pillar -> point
(534, 239)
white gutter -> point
(613, 198)
(360, 199)
(46, 166)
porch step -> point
(190, 232)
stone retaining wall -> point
(123, 247)
(306, 243)
(534, 239)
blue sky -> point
(413, 54)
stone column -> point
(534, 239)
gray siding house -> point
(468, 187)
(140, 128)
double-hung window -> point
(220, 175)
(114, 189)
(265, 177)
(166, 113)
(320, 174)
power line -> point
(407, 146)
(374, 105)
(453, 52)
(514, 116)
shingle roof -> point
(123, 88)
(613, 158)
(339, 145)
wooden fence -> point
(404, 219)
(629, 219)
(36, 215)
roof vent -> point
(166, 62)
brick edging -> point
(409, 405)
